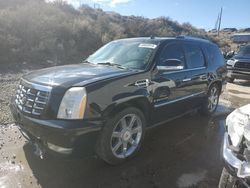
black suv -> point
(239, 66)
(106, 103)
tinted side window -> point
(215, 56)
(172, 51)
(194, 56)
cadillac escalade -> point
(105, 104)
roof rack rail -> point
(152, 37)
(193, 38)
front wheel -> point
(227, 180)
(212, 99)
(121, 136)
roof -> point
(160, 39)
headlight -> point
(73, 104)
(231, 62)
(236, 123)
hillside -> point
(33, 32)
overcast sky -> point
(202, 14)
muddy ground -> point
(183, 153)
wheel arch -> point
(141, 103)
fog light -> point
(59, 149)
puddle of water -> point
(191, 179)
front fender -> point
(139, 101)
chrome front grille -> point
(243, 65)
(31, 100)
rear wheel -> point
(212, 100)
(122, 136)
(227, 180)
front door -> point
(177, 91)
(170, 87)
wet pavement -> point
(182, 153)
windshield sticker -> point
(153, 46)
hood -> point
(241, 56)
(238, 124)
(245, 109)
(69, 75)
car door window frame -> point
(164, 48)
(203, 55)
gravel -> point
(8, 85)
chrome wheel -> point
(126, 136)
(213, 99)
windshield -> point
(128, 54)
(245, 50)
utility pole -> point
(80, 2)
(216, 23)
(97, 6)
(220, 21)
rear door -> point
(197, 76)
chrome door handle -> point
(142, 83)
(204, 77)
(186, 79)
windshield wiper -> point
(113, 64)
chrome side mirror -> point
(171, 65)
(170, 68)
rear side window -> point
(172, 51)
(194, 56)
(215, 56)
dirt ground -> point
(183, 153)
(8, 85)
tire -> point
(120, 139)
(230, 80)
(227, 180)
(211, 99)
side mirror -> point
(171, 65)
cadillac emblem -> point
(24, 100)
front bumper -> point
(63, 137)
(238, 73)
(237, 167)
